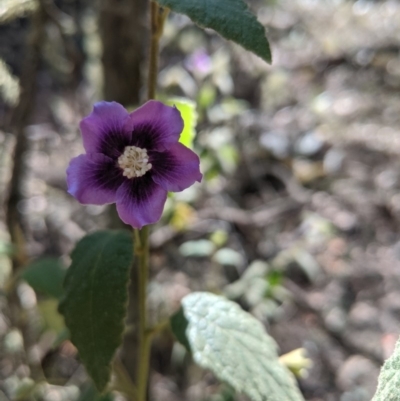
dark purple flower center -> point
(134, 162)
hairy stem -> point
(142, 253)
(158, 16)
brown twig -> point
(257, 218)
(61, 20)
(158, 15)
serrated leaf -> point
(389, 378)
(189, 115)
(94, 305)
(230, 18)
(235, 347)
(45, 276)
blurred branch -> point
(257, 218)
(270, 213)
(293, 186)
(66, 26)
(19, 120)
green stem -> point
(142, 253)
(158, 16)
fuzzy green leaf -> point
(45, 276)
(235, 347)
(94, 305)
(389, 378)
(230, 18)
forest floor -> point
(298, 215)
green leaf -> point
(230, 18)
(94, 305)
(389, 378)
(235, 347)
(52, 320)
(189, 115)
(89, 393)
(179, 324)
(46, 276)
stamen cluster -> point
(134, 162)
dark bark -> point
(123, 28)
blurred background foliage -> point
(297, 218)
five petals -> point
(96, 178)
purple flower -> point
(133, 160)
(199, 62)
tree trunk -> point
(124, 33)
(124, 28)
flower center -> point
(134, 162)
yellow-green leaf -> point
(189, 115)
